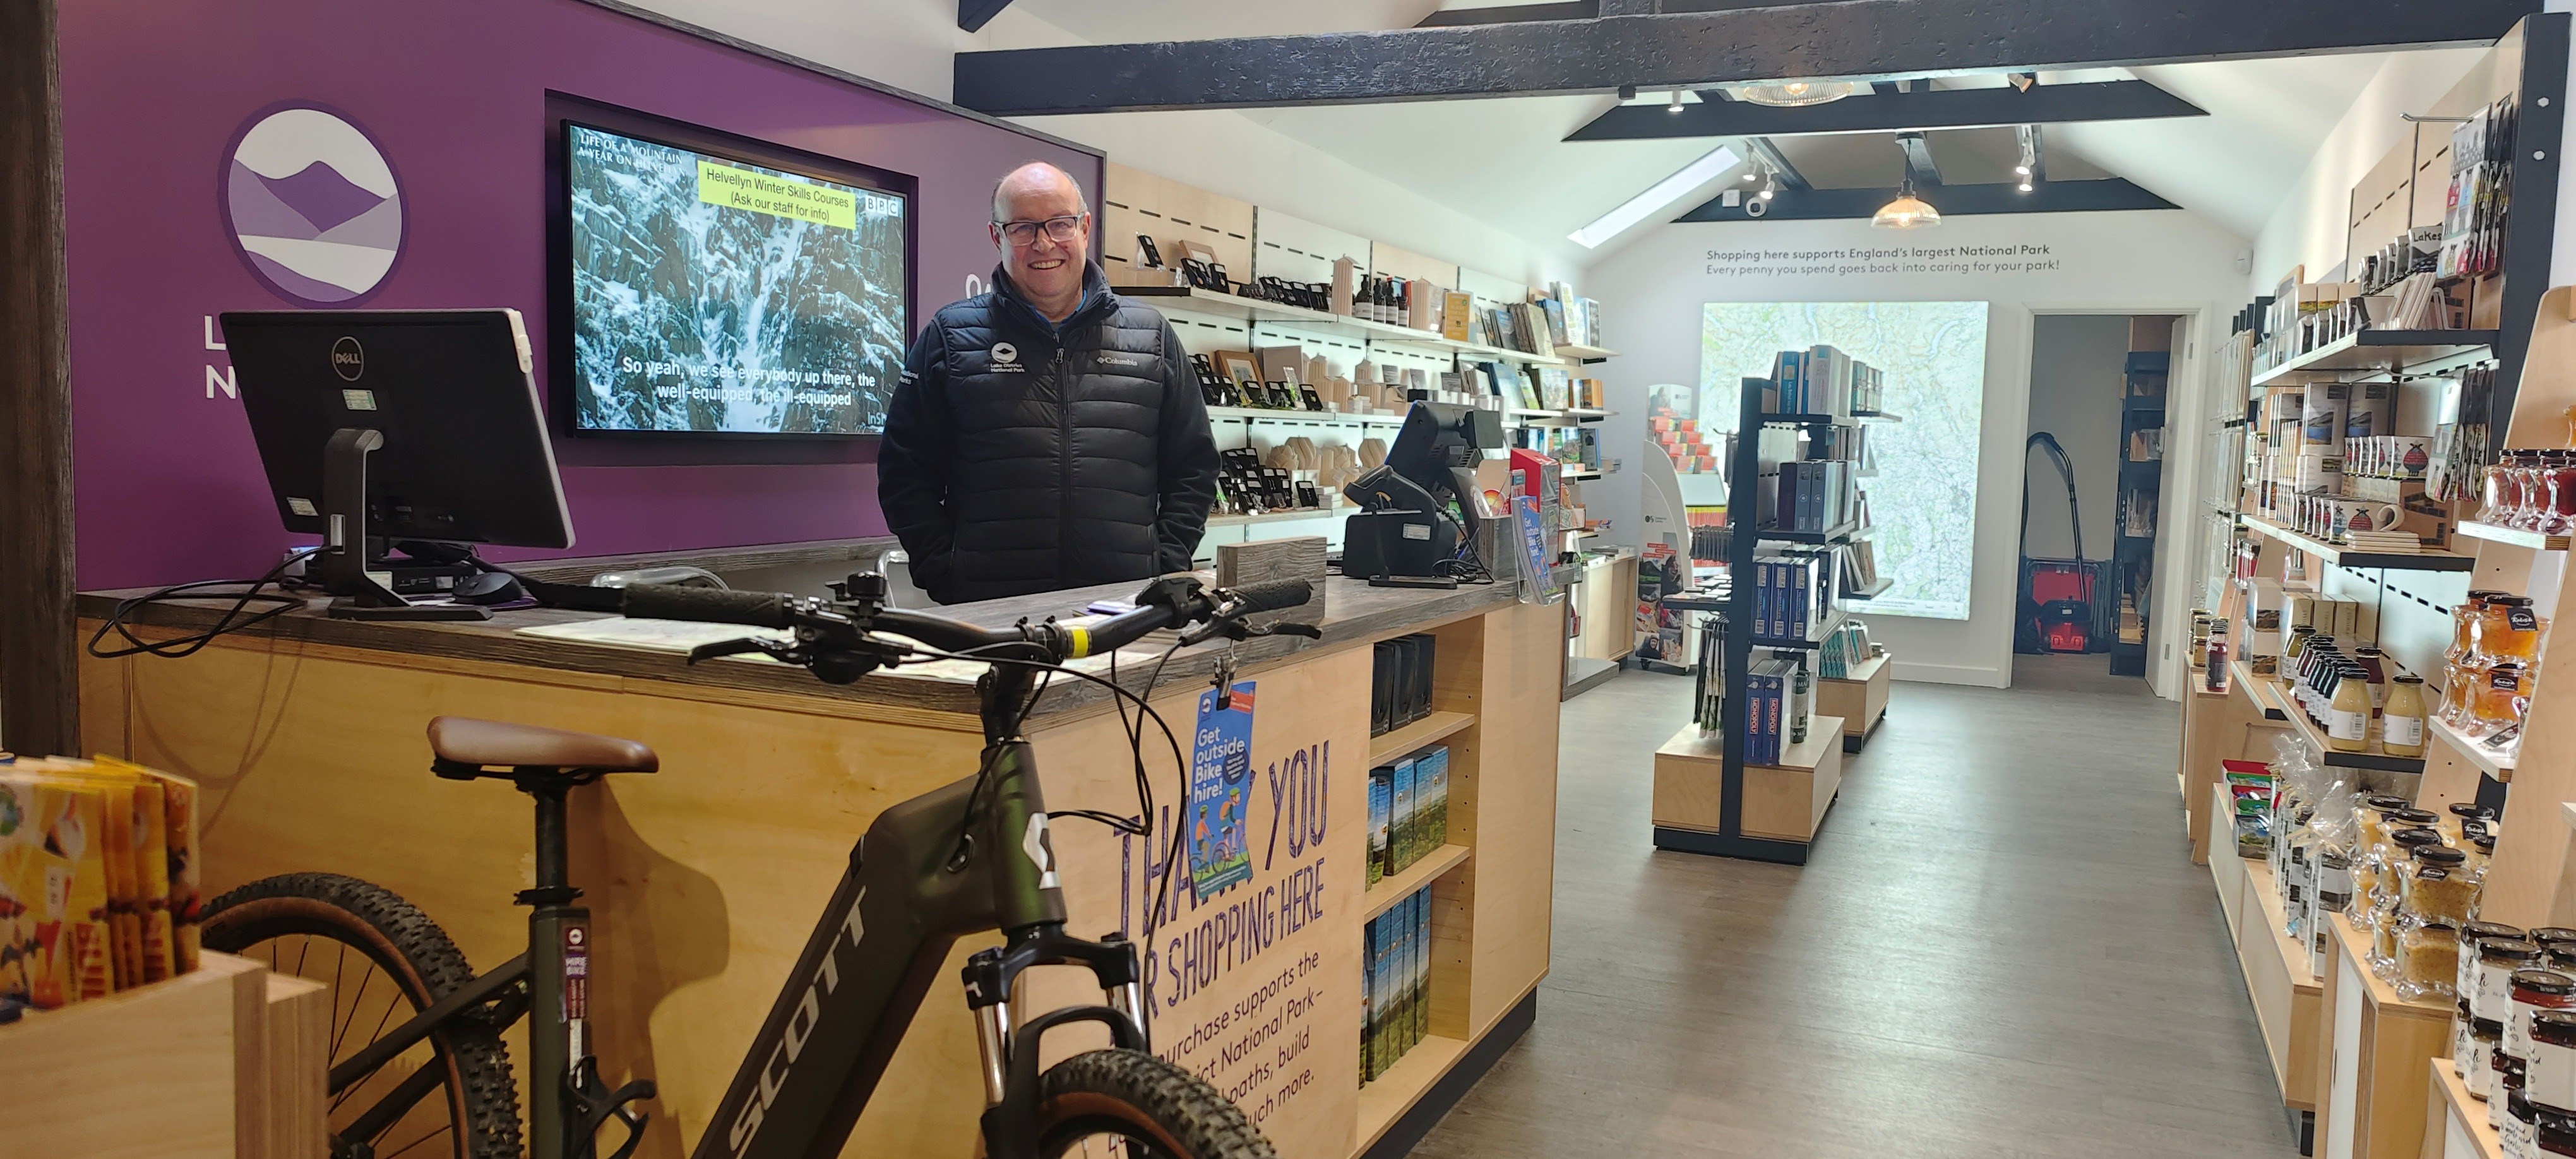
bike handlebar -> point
(709, 605)
(1166, 605)
(1274, 595)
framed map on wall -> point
(1933, 356)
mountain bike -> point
(417, 1059)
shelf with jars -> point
(2414, 495)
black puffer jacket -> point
(1014, 463)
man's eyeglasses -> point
(1058, 229)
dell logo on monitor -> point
(348, 360)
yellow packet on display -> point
(126, 900)
(180, 843)
(156, 866)
(53, 884)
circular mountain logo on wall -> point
(313, 206)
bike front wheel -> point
(1130, 1104)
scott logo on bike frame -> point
(773, 1074)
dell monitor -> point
(392, 425)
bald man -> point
(1048, 434)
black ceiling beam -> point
(1511, 14)
(1918, 159)
(973, 15)
(2118, 100)
(1952, 200)
(1863, 39)
(1769, 154)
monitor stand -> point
(341, 565)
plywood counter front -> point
(705, 879)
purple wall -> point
(169, 486)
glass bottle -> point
(2562, 496)
(2348, 713)
(2374, 665)
(2401, 719)
(2293, 650)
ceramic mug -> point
(2351, 515)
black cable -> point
(232, 619)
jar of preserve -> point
(2477, 1070)
(2552, 1134)
(2401, 717)
(2428, 960)
(2463, 615)
(2509, 629)
(2463, 812)
(2534, 991)
(2509, 1079)
(2438, 886)
(2550, 1079)
(2459, 692)
(2491, 999)
(2503, 695)
(2514, 1137)
(2496, 492)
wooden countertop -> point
(1355, 614)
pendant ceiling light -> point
(1907, 211)
(1793, 93)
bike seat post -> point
(559, 968)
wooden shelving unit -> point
(1403, 1085)
(2278, 705)
(2462, 1115)
(1859, 698)
(1431, 867)
(2382, 1082)
(1394, 743)
(2428, 560)
(2279, 978)
(2487, 760)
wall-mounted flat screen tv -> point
(715, 285)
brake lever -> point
(732, 648)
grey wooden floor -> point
(1999, 949)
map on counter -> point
(1933, 355)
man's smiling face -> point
(1047, 269)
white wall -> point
(2075, 385)
(2309, 227)
(2165, 262)
(911, 44)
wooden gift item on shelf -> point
(224, 1061)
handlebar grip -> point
(708, 605)
(1274, 595)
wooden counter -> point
(705, 879)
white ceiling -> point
(1505, 161)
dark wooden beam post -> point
(1918, 159)
(973, 15)
(1857, 39)
(39, 687)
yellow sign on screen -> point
(734, 187)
